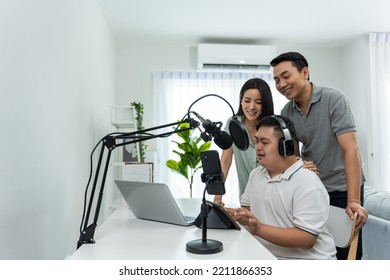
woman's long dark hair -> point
(267, 103)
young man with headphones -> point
(285, 205)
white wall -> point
(56, 85)
(356, 80)
(135, 63)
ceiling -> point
(301, 22)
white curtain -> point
(379, 117)
(173, 93)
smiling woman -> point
(174, 92)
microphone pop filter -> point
(238, 134)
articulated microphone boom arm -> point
(222, 139)
(109, 142)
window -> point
(379, 161)
(174, 92)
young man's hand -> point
(246, 218)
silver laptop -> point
(153, 201)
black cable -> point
(207, 95)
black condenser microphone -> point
(213, 130)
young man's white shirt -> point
(295, 198)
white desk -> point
(124, 237)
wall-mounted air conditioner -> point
(225, 56)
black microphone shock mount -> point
(211, 129)
(238, 134)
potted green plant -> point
(139, 117)
(190, 149)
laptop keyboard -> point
(189, 219)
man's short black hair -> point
(270, 121)
(298, 60)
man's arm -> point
(287, 237)
(349, 147)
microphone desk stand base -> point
(204, 246)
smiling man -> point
(326, 128)
(285, 205)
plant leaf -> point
(172, 164)
(191, 148)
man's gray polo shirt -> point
(329, 116)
